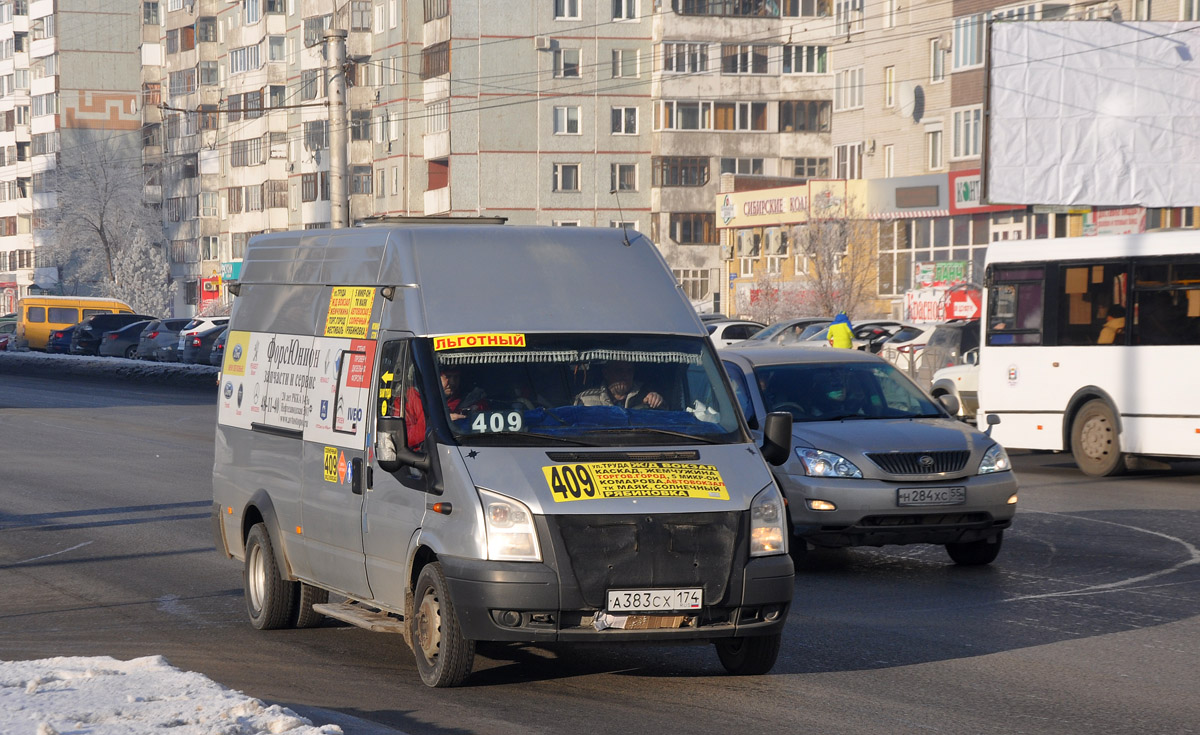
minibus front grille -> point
(648, 551)
(920, 463)
(684, 455)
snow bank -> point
(109, 368)
(104, 696)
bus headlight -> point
(768, 524)
(511, 534)
(995, 460)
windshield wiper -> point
(844, 417)
(469, 438)
(652, 430)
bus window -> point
(1087, 295)
(1166, 299)
(1015, 306)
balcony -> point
(437, 201)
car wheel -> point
(131, 352)
(305, 616)
(1094, 440)
(976, 553)
(444, 657)
(269, 597)
(749, 656)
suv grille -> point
(920, 463)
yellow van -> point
(38, 316)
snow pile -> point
(42, 364)
(104, 696)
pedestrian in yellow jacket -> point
(840, 334)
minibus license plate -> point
(653, 600)
(931, 496)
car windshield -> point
(771, 331)
(812, 330)
(593, 389)
(841, 391)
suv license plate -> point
(689, 598)
(931, 496)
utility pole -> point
(335, 59)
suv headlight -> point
(768, 523)
(995, 460)
(511, 534)
(826, 464)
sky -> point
(104, 696)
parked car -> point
(713, 317)
(946, 346)
(216, 355)
(4, 340)
(962, 382)
(787, 331)
(8, 331)
(123, 342)
(85, 340)
(59, 341)
(195, 326)
(160, 340)
(725, 333)
(197, 346)
(876, 460)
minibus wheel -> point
(269, 597)
(976, 553)
(1094, 440)
(444, 658)
(305, 616)
(749, 656)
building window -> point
(933, 145)
(566, 9)
(360, 179)
(566, 63)
(435, 60)
(889, 13)
(206, 30)
(806, 168)
(233, 197)
(208, 73)
(437, 117)
(743, 116)
(566, 177)
(209, 204)
(743, 59)
(744, 166)
(360, 125)
(314, 29)
(316, 135)
(849, 160)
(434, 9)
(694, 228)
(889, 161)
(683, 115)
(968, 133)
(969, 34)
(1190, 10)
(312, 84)
(809, 116)
(623, 177)
(624, 9)
(276, 48)
(889, 86)
(738, 8)
(685, 58)
(805, 59)
(566, 121)
(937, 61)
(253, 10)
(680, 171)
(210, 247)
(848, 16)
(150, 14)
(805, 8)
(182, 82)
(694, 282)
(848, 89)
(308, 187)
(360, 15)
(254, 198)
(253, 103)
(624, 121)
(624, 63)
(1141, 9)
(243, 59)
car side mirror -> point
(391, 447)
(950, 403)
(777, 437)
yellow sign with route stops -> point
(349, 312)
(608, 480)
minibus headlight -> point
(826, 464)
(995, 460)
(511, 534)
(768, 523)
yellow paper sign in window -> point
(349, 312)
(608, 480)
(458, 341)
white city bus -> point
(1092, 345)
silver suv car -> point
(875, 460)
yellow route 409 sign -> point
(603, 480)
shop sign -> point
(927, 274)
(1115, 221)
(966, 194)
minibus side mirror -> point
(992, 420)
(777, 437)
(391, 447)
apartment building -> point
(70, 74)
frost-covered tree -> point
(839, 250)
(102, 236)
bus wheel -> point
(269, 597)
(749, 656)
(1094, 440)
(444, 657)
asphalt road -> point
(1088, 622)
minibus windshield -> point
(584, 389)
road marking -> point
(56, 553)
(1120, 584)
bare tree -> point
(102, 236)
(840, 250)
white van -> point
(481, 432)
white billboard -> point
(1094, 113)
